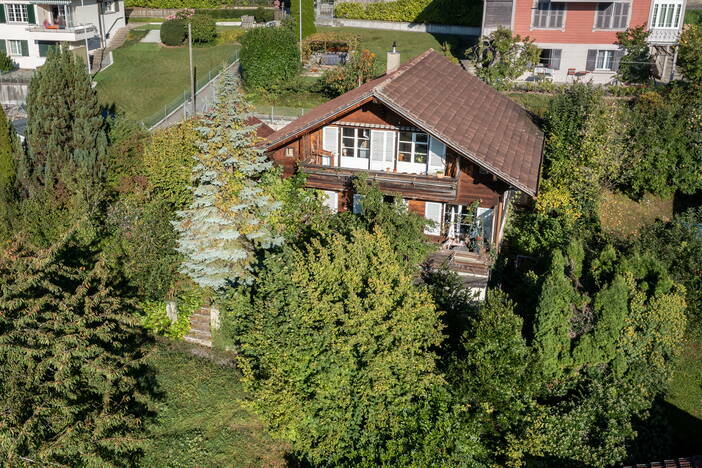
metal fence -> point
(276, 112)
(186, 96)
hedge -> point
(262, 15)
(173, 32)
(163, 4)
(268, 57)
(203, 28)
(456, 12)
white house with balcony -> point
(29, 28)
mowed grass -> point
(685, 397)
(693, 16)
(147, 77)
(622, 217)
(200, 420)
(409, 44)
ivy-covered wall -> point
(457, 12)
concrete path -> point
(153, 36)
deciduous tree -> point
(502, 57)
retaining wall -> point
(412, 27)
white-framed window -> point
(355, 143)
(14, 47)
(109, 6)
(16, 13)
(666, 15)
(604, 60)
(548, 15)
(413, 147)
(613, 15)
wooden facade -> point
(461, 183)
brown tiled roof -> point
(452, 105)
(263, 130)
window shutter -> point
(437, 155)
(357, 207)
(331, 200)
(31, 18)
(2, 14)
(591, 58)
(116, 8)
(377, 145)
(432, 212)
(555, 61)
(389, 146)
(25, 48)
(617, 58)
(330, 140)
(3, 46)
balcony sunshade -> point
(50, 2)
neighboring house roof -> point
(452, 105)
(263, 130)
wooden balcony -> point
(322, 174)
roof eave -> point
(456, 147)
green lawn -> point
(147, 77)
(693, 16)
(409, 44)
(200, 421)
(684, 398)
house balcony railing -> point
(663, 36)
(322, 173)
(50, 32)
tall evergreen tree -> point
(65, 130)
(228, 218)
(9, 145)
(74, 389)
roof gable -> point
(452, 105)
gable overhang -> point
(376, 95)
(458, 148)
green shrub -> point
(268, 56)
(456, 12)
(154, 315)
(261, 14)
(358, 70)
(192, 3)
(203, 27)
(6, 63)
(173, 32)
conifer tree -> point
(8, 147)
(227, 219)
(65, 129)
(74, 389)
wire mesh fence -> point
(203, 95)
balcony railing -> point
(77, 32)
(321, 172)
(663, 36)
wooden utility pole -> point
(192, 71)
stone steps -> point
(200, 332)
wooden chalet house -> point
(451, 146)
